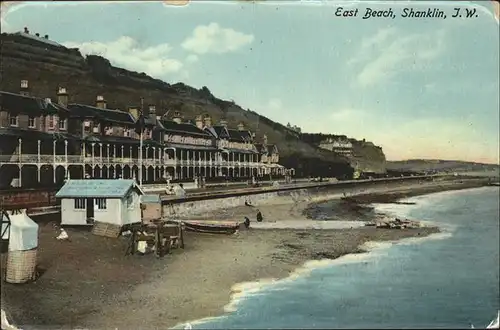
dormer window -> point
(126, 132)
(31, 122)
(62, 124)
(95, 129)
(109, 130)
(86, 126)
(13, 120)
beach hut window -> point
(79, 203)
(130, 201)
(101, 203)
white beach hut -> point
(21, 232)
(110, 201)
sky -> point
(420, 88)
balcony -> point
(33, 159)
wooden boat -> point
(214, 227)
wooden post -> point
(181, 234)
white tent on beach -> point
(20, 230)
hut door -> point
(90, 208)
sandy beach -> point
(89, 282)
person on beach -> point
(259, 216)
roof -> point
(235, 135)
(121, 140)
(269, 149)
(184, 128)
(29, 105)
(91, 188)
(221, 131)
(110, 115)
(150, 198)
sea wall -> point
(186, 207)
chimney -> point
(223, 122)
(264, 140)
(101, 102)
(152, 112)
(199, 121)
(46, 36)
(24, 88)
(134, 111)
(207, 120)
(62, 97)
(241, 126)
(177, 117)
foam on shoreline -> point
(373, 250)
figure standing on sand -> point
(259, 216)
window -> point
(126, 132)
(130, 201)
(79, 203)
(62, 124)
(101, 203)
(31, 122)
(13, 120)
(86, 126)
(50, 122)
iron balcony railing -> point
(97, 160)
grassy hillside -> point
(424, 165)
(48, 67)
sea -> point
(447, 280)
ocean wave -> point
(374, 251)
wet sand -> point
(89, 282)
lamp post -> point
(140, 140)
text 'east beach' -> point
(408, 12)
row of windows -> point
(14, 121)
(81, 203)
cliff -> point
(429, 165)
(366, 157)
(47, 65)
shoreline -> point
(104, 288)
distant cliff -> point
(47, 66)
(426, 165)
(366, 157)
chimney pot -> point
(46, 36)
(199, 121)
(177, 117)
(62, 96)
(26, 30)
(208, 120)
(37, 34)
(101, 103)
